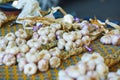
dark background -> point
(89, 8)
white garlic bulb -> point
(63, 76)
(68, 19)
(44, 39)
(43, 65)
(79, 43)
(79, 34)
(51, 36)
(86, 40)
(91, 65)
(85, 32)
(21, 64)
(73, 71)
(24, 48)
(30, 69)
(86, 57)
(54, 62)
(59, 34)
(68, 45)
(61, 44)
(57, 26)
(9, 60)
(2, 54)
(3, 40)
(34, 43)
(20, 41)
(106, 39)
(93, 75)
(10, 36)
(115, 39)
(43, 31)
(47, 56)
(32, 57)
(21, 34)
(55, 52)
(33, 50)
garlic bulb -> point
(3, 40)
(2, 54)
(55, 52)
(68, 19)
(21, 34)
(55, 62)
(93, 75)
(10, 36)
(11, 44)
(86, 57)
(20, 56)
(24, 48)
(73, 71)
(43, 65)
(20, 41)
(57, 26)
(59, 34)
(79, 43)
(32, 57)
(34, 43)
(21, 64)
(115, 39)
(61, 44)
(69, 45)
(30, 69)
(84, 32)
(91, 65)
(79, 34)
(33, 50)
(47, 56)
(9, 60)
(63, 76)
(51, 36)
(83, 77)
(43, 31)
(44, 39)
(86, 40)
(106, 39)
(35, 35)
(118, 72)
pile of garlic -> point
(114, 75)
(91, 67)
(111, 37)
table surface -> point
(12, 73)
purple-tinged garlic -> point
(68, 19)
(61, 44)
(20, 56)
(93, 75)
(55, 52)
(30, 69)
(21, 34)
(54, 62)
(2, 54)
(106, 39)
(24, 48)
(115, 39)
(10, 36)
(43, 65)
(43, 31)
(35, 35)
(9, 60)
(32, 57)
(34, 43)
(20, 41)
(21, 64)
(43, 40)
(73, 71)
(63, 76)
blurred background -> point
(102, 9)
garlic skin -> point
(85, 32)
(20, 56)
(35, 35)
(24, 48)
(63, 76)
(20, 41)
(21, 34)
(44, 54)
(55, 52)
(43, 65)
(30, 69)
(51, 36)
(57, 26)
(44, 39)
(68, 19)
(33, 50)
(86, 57)
(68, 45)
(34, 43)
(10, 36)
(2, 47)
(54, 62)
(78, 34)
(21, 64)
(9, 60)
(32, 57)
(61, 43)
(115, 39)
(73, 71)
(11, 44)
(59, 34)
(91, 66)
(106, 40)
(2, 54)
(47, 56)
